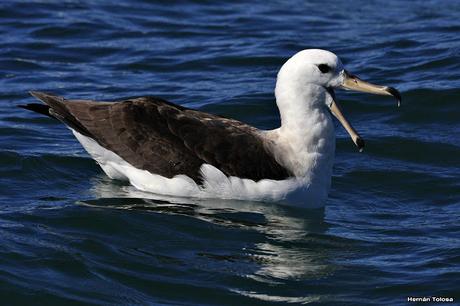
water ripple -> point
(389, 230)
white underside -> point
(292, 191)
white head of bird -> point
(305, 88)
(305, 142)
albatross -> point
(168, 149)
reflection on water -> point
(293, 243)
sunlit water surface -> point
(390, 229)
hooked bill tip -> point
(360, 144)
(395, 93)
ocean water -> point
(390, 229)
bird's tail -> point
(38, 108)
(55, 108)
(52, 108)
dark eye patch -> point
(324, 68)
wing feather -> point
(168, 139)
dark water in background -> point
(69, 235)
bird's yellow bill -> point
(352, 82)
(337, 112)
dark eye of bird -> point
(324, 68)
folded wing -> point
(168, 139)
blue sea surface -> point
(390, 228)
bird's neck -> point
(297, 104)
(305, 142)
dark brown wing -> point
(168, 139)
